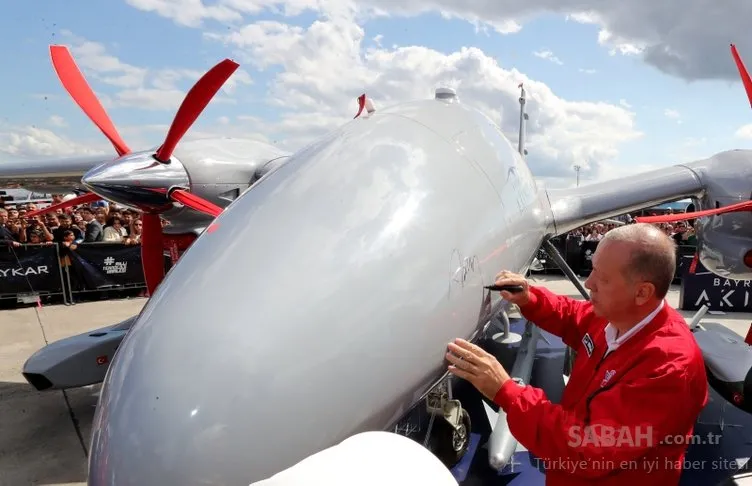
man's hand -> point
(508, 278)
(476, 366)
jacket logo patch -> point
(609, 374)
(589, 346)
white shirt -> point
(614, 342)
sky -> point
(614, 87)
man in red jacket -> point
(637, 385)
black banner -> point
(27, 269)
(721, 294)
(99, 265)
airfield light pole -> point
(577, 172)
(523, 119)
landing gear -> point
(448, 435)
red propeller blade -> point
(361, 105)
(86, 198)
(746, 80)
(193, 104)
(194, 202)
(152, 259)
(672, 218)
(74, 82)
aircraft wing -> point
(48, 176)
(575, 207)
(720, 184)
(719, 187)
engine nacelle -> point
(724, 242)
(220, 170)
(216, 170)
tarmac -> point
(44, 436)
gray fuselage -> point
(321, 302)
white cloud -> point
(587, 71)
(548, 55)
(673, 115)
(745, 132)
(91, 57)
(508, 26)
(584, 17)
(33, 142)
(139, 87)
(679, 37)
(189, 13)
(324, 67)
(620, 45)
(57, 121)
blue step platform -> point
(706, 463)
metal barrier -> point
(96, 267)
(30, 271)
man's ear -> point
(645, 292)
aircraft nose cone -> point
(136, 180)
(319, 306)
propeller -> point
(738, 207)
(83, 199)
(77, 87)
(194, 103)
(194, 202)
(364, 103)
(746, 80)
(672, 218)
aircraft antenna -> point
(523, 119)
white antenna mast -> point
(523, 119)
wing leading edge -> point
(719, 187)
(573, 208)
(49, 176)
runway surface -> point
(44, 436)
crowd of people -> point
(104, 221)
(682, 232)
(100, 221)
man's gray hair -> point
(653, 254)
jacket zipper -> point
(592, 395)
(599, 390)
